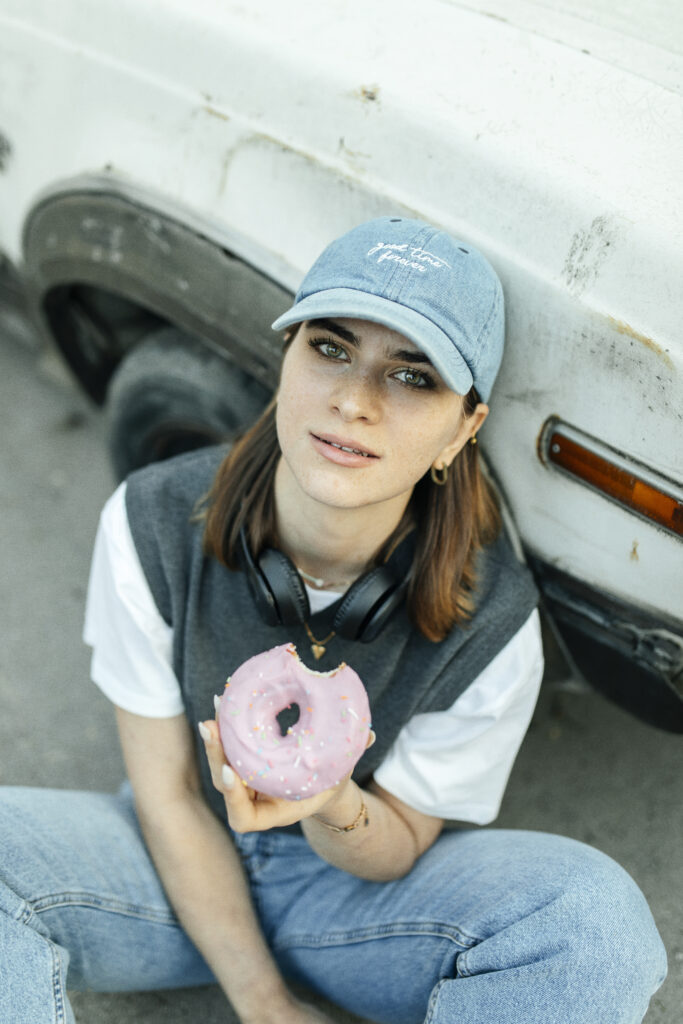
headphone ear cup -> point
(286, 586)
(368, 604)
(382, 613)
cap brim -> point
(349, 302)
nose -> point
(356, 398)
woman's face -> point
(353, 384)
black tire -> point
(172, 394)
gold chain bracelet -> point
(361, 818)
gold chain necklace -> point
(313, 580)
(323, 585)
(317, 646)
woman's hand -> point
(293, 1012)
(251, 811)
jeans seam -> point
(25, 911)
(86, 899)
(461, 968)
(58, 986)
(395, 930)
(433, 999)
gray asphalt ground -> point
(586, 769)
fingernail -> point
(228, 776)
(216, 702)
(373, 737)
(204, 732)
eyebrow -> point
(406, 354)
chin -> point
(337, 492)
(334, 495)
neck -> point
(335, 545)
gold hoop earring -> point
(434, 473)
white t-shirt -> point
(451, 764)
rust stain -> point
(623, 328)
(259, 138)
(368, 93)
(216, 113)
(634, 552)
(355, 154)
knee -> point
(610, 929)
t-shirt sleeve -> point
(455, 764)
(131, 644)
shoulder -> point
(497, 562)
(161, 502)
(454, 762)
(504, 598)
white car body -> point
(548, 135)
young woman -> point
(352, 520)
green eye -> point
(413, 378)
(327, 349)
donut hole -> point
(288, 717)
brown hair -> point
(453, 521)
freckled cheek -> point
(416, 447)
(286, 430)
(418, 465)
(295, 400)
(283, 416)
(292, 405)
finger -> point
(214, 751)
(247, 809)
(371, 739)
(264, 813)
(215, 754)
(272, 812)
(240, 801)
(217, 704)
(237, 796)
(258, 811)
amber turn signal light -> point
(619, 478)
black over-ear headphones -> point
(281, 598)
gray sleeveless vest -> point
(216, 625)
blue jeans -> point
(490, 927)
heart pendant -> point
(318, 651)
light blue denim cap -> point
(414, 278)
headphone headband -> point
(281, 599)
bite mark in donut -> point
(318, 750)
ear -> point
(467, 429)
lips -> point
(345, 445)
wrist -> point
(345, 810)
(289, 1010)
(264, 1007)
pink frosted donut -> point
(317, 751)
